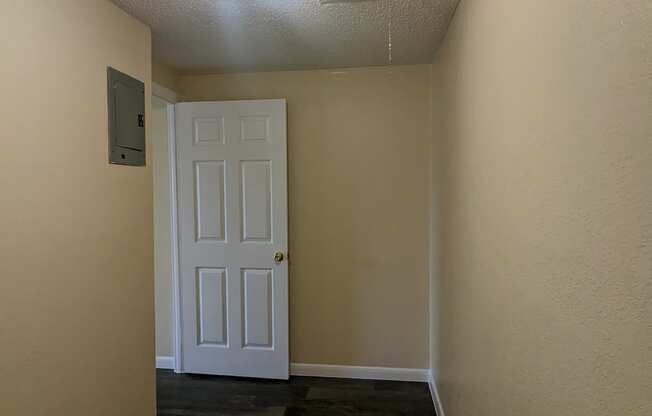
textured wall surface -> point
(544, 302)
(358, 144)
(76, 266)
(270, 35)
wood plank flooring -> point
(197, 395)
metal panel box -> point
(126, 105)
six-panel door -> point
(232, 194)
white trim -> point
(166, 363)
(171, 98)
(164, 93)
(436, 399)
(350, 371)
(174, 241)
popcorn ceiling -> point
(197, 36)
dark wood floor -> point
(195, 395)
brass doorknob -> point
(278, 256)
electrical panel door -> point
(126, 105)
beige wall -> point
(76, 278)
(165, 76)
(546, 166)
(358, 198)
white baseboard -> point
(166, 363)
(346, 371)
(435, 394)
(349, 371)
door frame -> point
(171, 98)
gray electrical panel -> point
(126, 106)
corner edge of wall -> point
(434, 393)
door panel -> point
(257, 303)
(211, 306)
(256, 200)
(232, 194)
(209, 200)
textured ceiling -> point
(266, 35)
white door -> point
(232, 193)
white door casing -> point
(232, 197)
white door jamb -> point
(171, 98)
